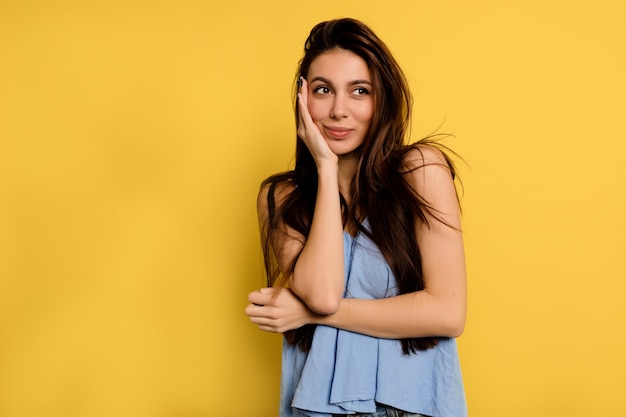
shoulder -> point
(430, 173)
(273, 193)
(422, 161)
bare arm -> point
(438, 310)
(318, 276)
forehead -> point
(338, 65)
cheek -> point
(365, 113)
(315, 110)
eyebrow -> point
(327, 81)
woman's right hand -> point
(309, 132)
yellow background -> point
(134, 135)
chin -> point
(346, 152)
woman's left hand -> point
(277, 310)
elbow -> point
(324, 306)
(455, 330)
(454, 325)
(322, 300)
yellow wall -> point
(134, 135)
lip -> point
(338, 132)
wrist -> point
(327, 170)
(330, 162)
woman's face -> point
(341, 101)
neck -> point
(347, 171)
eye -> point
(361, 91)
(321, 90)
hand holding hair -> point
(277, 310)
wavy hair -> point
(379, 190)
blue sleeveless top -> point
(347, 373)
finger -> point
(261, 321)
(306, 127)
(301, 117)
(303, 92)
(270, 329)
(259, 298)
(305, 116)
(303, 102)
(265, 323)
(256, 312)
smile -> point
(337, 132)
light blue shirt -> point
(347, 373)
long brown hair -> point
(379, 191)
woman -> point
(362, 244)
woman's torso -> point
(346, 372)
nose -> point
(339, 109)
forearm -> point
(318, 277)
(417, 314)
